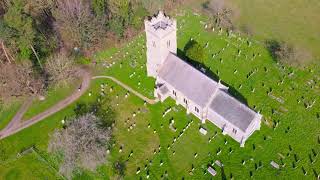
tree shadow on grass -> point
(273, 47)
(232, 90)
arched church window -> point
(153, 44)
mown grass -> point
(28, 166)
(295, 126)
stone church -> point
(205, 98)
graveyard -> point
(159, 141)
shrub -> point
(288, 54)
(100, 108)
(80, 109)
(120, 167)
(139, 13)
(116, 26)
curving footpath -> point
(150, 101)
(16, 125)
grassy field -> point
(293, 21)
(289, 132)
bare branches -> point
(60, 68)
(18, 80)
(83, 143)
(223, 13)
(76, 24)
(5, 52)
(35, 53)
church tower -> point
(161, 39)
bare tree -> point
(60, 68)
(223, 12)
(76, 24)
(83, 143)
(19, 80)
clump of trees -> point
(83, 144)
(194, 51)
(288, 54)
(41, 38)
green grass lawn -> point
(252, 74)
(293, 21)
(53, 96)
(7, 113)
(28, 166)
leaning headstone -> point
(274, 164)
(212, 171)
(218, 163)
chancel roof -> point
(232, 110)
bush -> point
(116, 26)
(194, 51)
(139, 13)
(82, 60)
(80, 109)
(101, 109)
(287, 54)
(120, 167)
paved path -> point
(17, 125)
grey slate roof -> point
(232, 110)
(195, 85)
